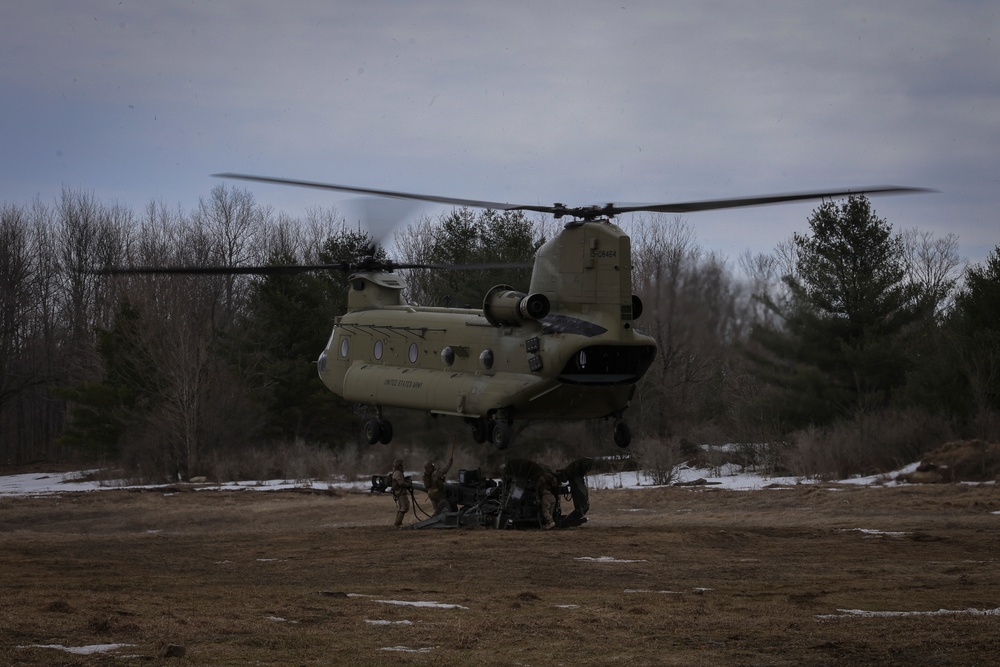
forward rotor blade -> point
(276, 270)
(294, 269)
(434, 199)
(465, 267)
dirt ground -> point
(686, 576)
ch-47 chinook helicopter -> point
(565, 349)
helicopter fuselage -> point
(565, 350)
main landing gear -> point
(378, 429)
(623, 434)
(496, 431)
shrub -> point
(658, 458)
(870, 443)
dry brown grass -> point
(698, 577)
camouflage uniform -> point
(548, 485)
(434, 482)
(400, 491)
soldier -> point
(434, 483)
(400, 491)
(547, 488)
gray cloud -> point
(568, 101)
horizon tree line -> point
(845, 322)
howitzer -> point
(511, 502)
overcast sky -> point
(526, 102)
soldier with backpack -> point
(434, 483)
(400, 491)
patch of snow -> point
(35, 484)
(81, 650)
(887, 479)
(381, 622)
(407, 649)
(285, 484)
(31, 484)
(433, 605)
(861, 613)
(728, 448)
(608, 559)
(729, 476)
(869, 532)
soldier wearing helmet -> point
(434, 479)
(547, 488)
(400, 491)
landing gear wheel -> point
(373, 431)
(623, 434)
(500, 436)
(480, 430)
(385, 431)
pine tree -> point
(842, 346)
(978, 303)
(104, 411)
(976, 326)
(491, 237)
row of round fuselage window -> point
(447, 354)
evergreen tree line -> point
(849, 348)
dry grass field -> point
(686, 576)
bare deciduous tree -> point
(933, 267)
(414, 244)
(690, 308)
(17, 271)
(234, 225)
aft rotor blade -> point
(741, 202)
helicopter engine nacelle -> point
(506, 307)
